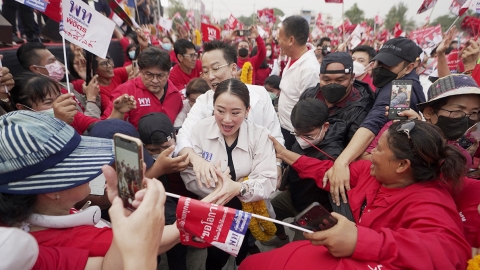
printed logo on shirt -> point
(378, 267)
(144, 102)
(462, 217)
(207, 156)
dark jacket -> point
(352, 114)
(376, 118)
(306, 191)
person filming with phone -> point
(401, 200)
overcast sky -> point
(223, 8)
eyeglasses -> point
(150, 76)
(308, 137)
(213, 71)
(461, 114)
(194, 56)
(105, 64)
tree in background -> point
(175, 6)
(355, 14)
(398, 13)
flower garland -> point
(261, 229)
(198, 37)
(474, 264)
(247, 73)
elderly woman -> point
(405, 216)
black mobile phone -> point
(315, 218)
(243, 33)
(464, 142)
(400, 97)
(129, 167)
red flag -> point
(333, 1)
(397, 31)
(232, 22)
(426, 5)
(455, 64)
(210, 32)
(464, 7)
(265, 15)
(319, 21)
(53, 10)
(206, 19)
(379, 20)
(203, 224)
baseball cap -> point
(451, 85)
(397, 50)
(107, 128)
(337, 57)
(42, 154)
(155, 128)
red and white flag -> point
(397, 31)
(204, 224)
(319, 21)
(334, 1)
(232, 22)
(266, 15)
(426, 5)
(379, 20)
(210, 32)
(464, 7)
(206, 19)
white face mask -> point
(269, 53)
(304, 144)
(358, 69)
(48, 112)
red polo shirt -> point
(180, 79)
(120, 76)
(170, 104)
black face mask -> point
(382, 76)
(454, 128)
(333, 92)
(243, 52)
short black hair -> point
(154, 57)
(273, 81)
(302, 112)
(31, 88)
(297, 27)
(181, 46)
(323, 39)
(169, 38)
(27, 54)
(229, 51)
(197, 86)
(364, 48)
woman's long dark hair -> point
(431, 158)
(15, 208)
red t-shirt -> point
(147, 102)
(120, 76)
(262, 75)
(180, 79)
(368, 79)
(173, 57)
(70, 248)
(124, 42)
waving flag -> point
(426, 5)
(379, 20)
(397, 31)
(232, 22)
(319, 21)
(464, 7)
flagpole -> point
(431, 12)
(454, 22)
(343, 20)
(65, 61)
(258, 216)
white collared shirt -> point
(261, 113)
(304, 73)
(254, 156)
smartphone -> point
(315, 218)
(470, 137)
(135, 66)
(129, 167)
(399, 98)
(243, 33)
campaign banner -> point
(210, 32)
(428, 37)
(81, 25)
(232, 22)
(203, 224)
(39, 5)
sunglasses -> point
(406, 127)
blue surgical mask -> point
(131, 54)
(273, 96)
(167, 46)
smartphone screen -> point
(399, 98)
(315, 218)
(129, 163)
(135, 66)
(243, 33)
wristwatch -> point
(243, 190)
(280, 164)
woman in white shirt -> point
(230, 139)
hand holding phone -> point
(135, 66)
(243, 33)
(315, 218)
(400, 97)
(129, 167)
